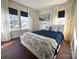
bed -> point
(42, 43)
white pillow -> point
(54, 28)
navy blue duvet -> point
(58, 36)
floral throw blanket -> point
(42, 47)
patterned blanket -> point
(42, 47)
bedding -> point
(58, 36)
(41, 46)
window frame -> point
(19, 22)
(13, 12)
(23, 15)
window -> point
(61, 14)
(16, 23)
(13, 19)
(61, 17)
(25, 23)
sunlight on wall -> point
(66, 30)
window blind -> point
(61, 14)
(25, 14)
(13, 11)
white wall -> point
(45, 11)
(17, 6)
(73, 40)
(34, 17)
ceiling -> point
(39, 4)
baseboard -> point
(3, 42)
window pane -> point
(61, 21)
(25, 23)
(13, 20)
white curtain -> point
(70, 22)
(5, 34)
